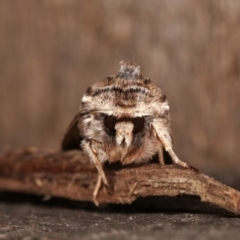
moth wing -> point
(72, 138)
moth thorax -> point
(124, 133)
(128, 71)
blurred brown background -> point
(50, 51)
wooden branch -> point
(70, 175)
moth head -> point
(123, 129)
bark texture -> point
(70, 175)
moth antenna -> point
(133, 56)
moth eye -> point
(109, 123)
(139, 123)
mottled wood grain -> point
(70, 175)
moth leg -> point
(96, 189)
(162, 133)
(161, 157)
(91, 148)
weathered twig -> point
(70, 175)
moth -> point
(125, 117)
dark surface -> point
(27, 217)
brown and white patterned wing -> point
(72, 138)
